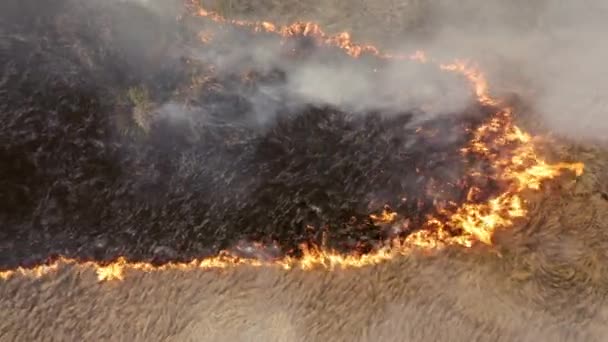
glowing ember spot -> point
(112, 271)
(510, 150)
(387, 216)
(475, 77)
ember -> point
(295, 196)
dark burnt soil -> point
(75, 182)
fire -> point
(512, 152)
(479, 82)
(387, 216)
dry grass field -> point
(545, 279)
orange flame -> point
(518, 166)
(387, 216)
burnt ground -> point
(87, 174)
(544, 280)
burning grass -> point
(497, 164)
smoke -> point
(321, 78)
(548, 52)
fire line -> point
(518, 166)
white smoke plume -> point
(397, 86)
(324, 78)
(549, 52)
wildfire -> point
(510, 150)
(387, 216)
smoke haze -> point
(319, 79)
(549, 52)
(392, 87)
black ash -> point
(85, 175)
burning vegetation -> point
(319, 188)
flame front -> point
(512, 153)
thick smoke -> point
(549, 52)
(323, 77)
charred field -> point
(120, 138)
(97, 168)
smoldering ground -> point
(545, 279)
(187, 157)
